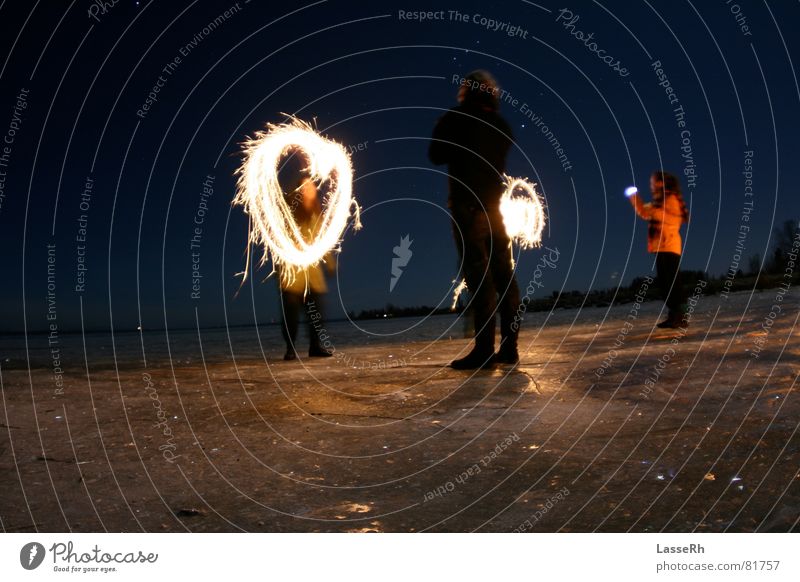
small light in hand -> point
(631, 191)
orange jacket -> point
(663, 234)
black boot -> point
(319, 352)
(666, 324)
(474, 360)
(674, 320)
(507, 354)
(680, 319)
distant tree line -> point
(757, 276)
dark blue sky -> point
(368, 76)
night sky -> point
(109, 186)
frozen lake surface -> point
(603, 426)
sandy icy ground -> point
(318, 445)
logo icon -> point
(31, 555)
(402, 254)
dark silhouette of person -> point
(302, 291)
(473, 140)
(665, 215)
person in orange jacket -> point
(665, 214)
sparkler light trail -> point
(457, 292)
(523, 216)
(272, 223)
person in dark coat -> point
(303, 291)
(473, 140)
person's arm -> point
(643, 210)
(440, 149)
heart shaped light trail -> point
(272, 224)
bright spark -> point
(271, 221)
(523, 216)
(457, 292)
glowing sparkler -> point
(631, 191)
(457, 292)
(523, 216)
(271, 221)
